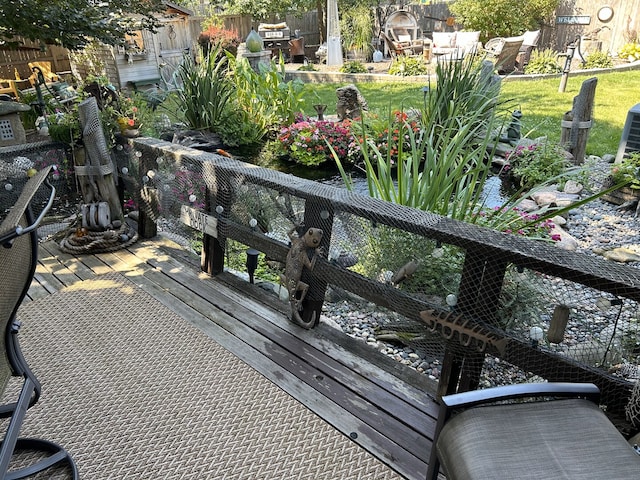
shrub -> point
(265, 96)
(630, 51)
(502, 18)
(443, 168)
(353, 67)
(543, 61)
(219, 36)
(598, 60)
(207, 91)
(407, 66)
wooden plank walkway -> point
(383, 406)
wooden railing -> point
(488, 253)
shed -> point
(146, 55)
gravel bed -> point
(595, 225)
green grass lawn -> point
(539, 100)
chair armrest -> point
(494, 46)
(521, 390)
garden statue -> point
(13, 132)
(297, 260)
(254, 42)
(513, 132)
(351, 103)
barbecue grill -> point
(275, 35)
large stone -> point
(566, 242)
(620, 254)
(350, 102)
(572, 187)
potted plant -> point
(127, 118)
(356, 30)
(64, 127)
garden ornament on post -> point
(297, 261)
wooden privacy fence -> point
(12, 60)
(229, 200)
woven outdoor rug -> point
(133, 391)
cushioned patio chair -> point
(397, 48)
(504, 52)
(486, 434)
(18, 258)
(529, 42)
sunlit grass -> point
(543, 107)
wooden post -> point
(99, 184)
(577, 123)
(219, 198)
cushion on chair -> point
(562, 439)
(444, 39)
(467, 41)
(530, 38)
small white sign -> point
(573, 20)
(199, 220)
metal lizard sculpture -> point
(297, 260)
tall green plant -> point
(207, 91)
(268, 99)
(444, 168)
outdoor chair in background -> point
(397, 48)
(503, 52)
(48, 74)
(529, 42)
(559, 434)
(402, 37)
(18, 259)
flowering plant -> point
(517, 222)
(128, 114)
(537, 163)
(305, 141)
(389, 134)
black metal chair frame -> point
(19, 239)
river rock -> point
(572, 187)
(619, 254)
(566, 242)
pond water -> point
(496, 192)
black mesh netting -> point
(437, 294)
(15, 163)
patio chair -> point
(396, 48)
(529, 42)
(504, 52)
(18, 258)
(402, 37)
(561, 435)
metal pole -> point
(571, 50)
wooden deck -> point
(383, 406)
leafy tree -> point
(74, 23)
(502, 18)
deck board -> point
(391, 418)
